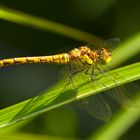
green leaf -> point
(26, 136)
(58, 95)
(130, 48)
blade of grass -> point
(26, 136)
(126, 50)
(57, 96)
(21, 18)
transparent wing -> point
(113, 42)
(76, 72)
(109, 44)
(100, 105)
(97, 106)
(126, 95)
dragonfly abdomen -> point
(55, 59)
(63, 58)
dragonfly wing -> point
(113, 42)
(97, 106)
(109, 44)
(126, 95)
(73, 68)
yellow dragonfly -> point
(84, 57)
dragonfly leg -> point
(92, 73)
(87, 71)
(71, 73)
(92, 77)
(101, 71)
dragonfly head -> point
(104, 56)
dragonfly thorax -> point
(83, 54)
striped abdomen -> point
(55, 59)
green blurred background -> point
(103, 18)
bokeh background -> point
(104, 18)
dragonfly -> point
(84, 57)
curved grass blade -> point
(28, 136)
(22, 18)
(130, 48)
(56, 97)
